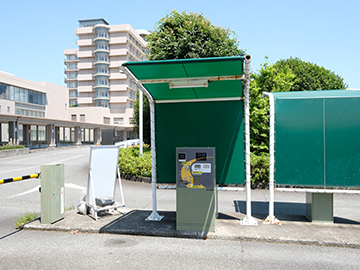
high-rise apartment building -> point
(97, 90)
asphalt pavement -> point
(294, 227)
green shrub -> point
(8, 147)
(25, 219)
(130, 162)
(259, 169)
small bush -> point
(8, 147)
(131, 163)
(259, 169)
(25, 219)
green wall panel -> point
(342, 139)
(299, 143)
(317, 141)
(201, 124)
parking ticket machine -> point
(195, 189)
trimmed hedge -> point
(130, 163)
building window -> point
(118, 121)
(72, 66)
(73, 103)
(73, 94)
(102, 80)
(21, 94)
(101, 33)
(131, 105)
(72, 57)
(106, 120)
(102, 103)
(101, 57)
(101, 69)
(8, 109)
(101, 45)
(72, 75)
(101, 93)
(72, 84)
(73, 117)
(82, 117)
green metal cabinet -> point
(320, 207)
(52, 193)
(196, 189)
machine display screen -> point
(182, 156)
(200, 156)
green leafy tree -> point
(180, 36)
(146, 118)
(291, 74)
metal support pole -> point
(248, 220)
(271, 219)
(154, 216)
(141, 128)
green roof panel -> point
(187, 69)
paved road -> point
(61, 250)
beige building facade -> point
(37, 114)
(98, 92)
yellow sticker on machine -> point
(186, 163)
(196, 172)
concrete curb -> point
(14, 152)
(227, 228)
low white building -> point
(37, 114)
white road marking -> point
(71, 185)
(23, 159)
(26, 192)
(36, 189)
(38, 166)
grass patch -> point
(25, 219)
(8, 147)
(70, 208)
(130, 162)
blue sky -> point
(35, 33)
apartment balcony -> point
(84, 42)
(101, 74)
(85, 77)
(118, 40)
(101, 38)
(85, 88)
(85, 54)
(85, 100)
(101, 50)
(121, 99)
(86, 65)
(101, 86)
(118, 52)
(101, 62)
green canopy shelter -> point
(198, 103)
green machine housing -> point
(195, 189)
(52, 193)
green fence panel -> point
(201, 124)
(342, 140)
(299, 142)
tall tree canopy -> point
(182, 35)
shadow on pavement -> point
(286, 211)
